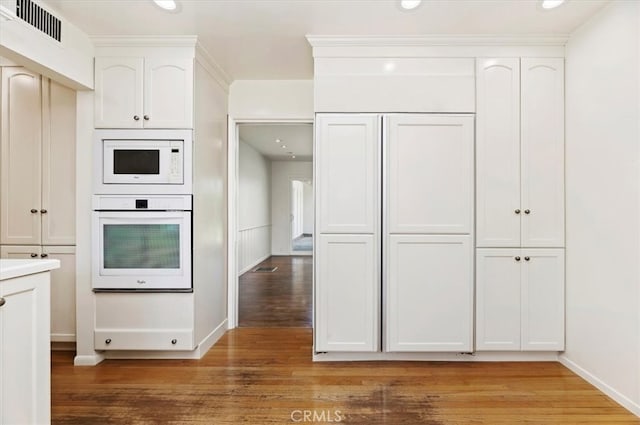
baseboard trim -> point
(255, 263)
(487, 356)
(90, 360)
(611, 392)
(208, 342)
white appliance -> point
(142, 243)
(142, 161)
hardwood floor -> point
(266, 376)
(278, 299)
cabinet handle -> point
(34, 255)
(174, 341)
(2, 302)
(517, 258)
(527, 211)
(527, 258)
(43, 211)
(33, 210)
(517, 211)
(146, 117)
(44, 255)
(107, 341)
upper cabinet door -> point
(168, 93)
(430, 171)
(58, 165)
(347, 166)
(118, 92)
(21, 141)
(542, 160)
(498, 153)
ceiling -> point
(298, 139)
(265, 39)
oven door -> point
(142, 250)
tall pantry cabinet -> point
(37, 199)
(394, 251)
(520, 204)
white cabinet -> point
(37, 203)
(520, 152)
(150, 92)
(520, 299)
(348, 298)
(63, 280)
(424, 230)
(429, 293)
(24, 350)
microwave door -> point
(138, 162)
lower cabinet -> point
(347, 302)
(63, 285)
(520, 299)
(429, 293)
(144, 321)
(24, 350)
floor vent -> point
(265, 269)
(39, 18)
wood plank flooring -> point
(266, 376)
(278, 299)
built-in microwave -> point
(142, 162)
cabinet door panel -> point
(63, 293)
(348, 164)
(118, 92)
(58, 165)
(543, 300)
(429, 288)
(20, 154)
(498, 299)
(25, 357)
(429, 184)
(543, 152)
(168, 93)
(347, 293)
(20, 252)
(498, 153)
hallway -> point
(277, 299)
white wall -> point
(307, 226)
(254, 207)
(69, 62)
(271, 100)
(603, 213)
(282, 172)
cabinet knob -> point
(527, 258)
(517, 211)
(136, 118)
(174, 341)
(527, 211)
(107, 341)
(517, 258)
(2, 302)
(33, 210)
(44, 255)
(43, 211)
(146, 117)
(34, 255)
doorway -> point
(271, 283)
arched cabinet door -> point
(118, 92)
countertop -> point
(17, 268)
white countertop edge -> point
(10, 268)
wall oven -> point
(142, 243)
(142, 161)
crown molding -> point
(6, 14)
(145, 41)
(438, 40)
(216, 71)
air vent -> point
(36, 16)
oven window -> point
(136, 161)
(141, 246)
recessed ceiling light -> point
(293, 157)
(551, 4)
(166, 4)
(410, 4)
(283, 146)
(278, 140)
